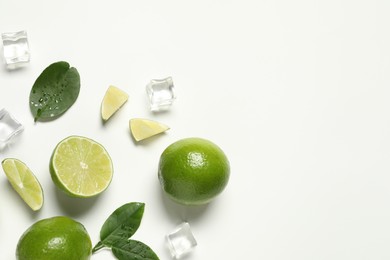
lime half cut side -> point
(81, 167)
(24, 182)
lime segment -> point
(24, 182)
(113, 100)
(81, 167)
(142, 128)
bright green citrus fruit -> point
(193, 171)
(81, 167)
(24, 182)
(57, 238)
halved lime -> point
(81, 167)
(142, 128)
(113, 100)
(24, 182)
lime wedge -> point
(24, 182)
(142, 128)
(114, 99)
(81, 167)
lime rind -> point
(81, 167)
(24, 182)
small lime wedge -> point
(81, 167)
(113, 100)
(24, 182)
(142, 128)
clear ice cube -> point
(16, 50)
(9, 127)
(181, 241)
(161, 94)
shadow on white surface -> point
(4, 148)
(182, 212)
(148, 141)
(74, 207)
(18, 201)
(13, 69)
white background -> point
(295, 92)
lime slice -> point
(144, 128)
(81, 167)
(114, 99)
(24, 182)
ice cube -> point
(181, 241)
(9, 127)
(161, 94)
(16, 50)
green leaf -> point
(120, 225)
(133, 250)
(54, 91)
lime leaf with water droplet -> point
(121, 224)
(133, 250)
(117, 230)
(54, 91)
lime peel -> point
(58, 237)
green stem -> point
(97, 247)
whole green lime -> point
(193, 171)
(55, 238)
